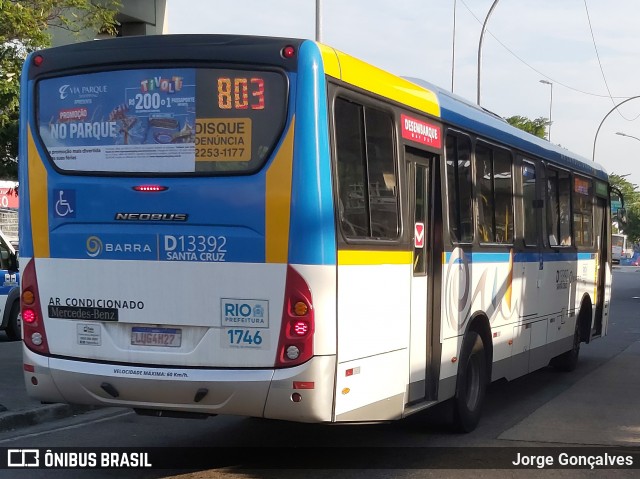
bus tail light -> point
(34, 335)
(288, 52)
(295, 345)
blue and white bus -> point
(219, 224)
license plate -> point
(162, 337)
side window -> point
(495, 198)
(367, 177)
(459, 184)
(583, 211)
(5, 255)
(559, 207)
(564, 183)
(529, 201)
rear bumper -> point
(257, 392)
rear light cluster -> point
(34, 334)
(295, 345)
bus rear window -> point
(162, 120)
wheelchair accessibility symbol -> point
(65, 203)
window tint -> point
(529, 197)
(162, 120)
(459, 182)
(5, 256)
(421, 198)
(495, 199)
(559, 207)
(367, 178)
(582, 211)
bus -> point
(618, 247)
(269, 227)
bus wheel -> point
(471, 383)
(568, 361)
(14, 328)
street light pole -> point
(318, 22)
(550, 105)
(453, 46)
(484, 27)
(593, 155)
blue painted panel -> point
(467, 116)
(26, 112)
(225, 219)
(312, 233)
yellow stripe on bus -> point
(352, 257)
(373, 79)
(278, 202)
(508, 293)
(330, 61)
(38, 200)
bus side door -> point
(426, 222)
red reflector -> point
(301, 328)
(28, 315)
(30, 368)
(288, 52)
(349, 372)
(303, 385)
(150, 188)
(38, 60)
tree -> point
(24, 28)
(537, 127)
(631, 203)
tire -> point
(14, 327)
(568, 361)
(471, 383)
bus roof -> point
(452, 109)
(457, 111)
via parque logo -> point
(94, 246)
(23, 458)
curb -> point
(30, 417)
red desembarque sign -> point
(421, 132)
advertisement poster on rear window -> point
(126, 120)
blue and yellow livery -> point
(218, 224)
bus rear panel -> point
(163, 227)
(268, 227)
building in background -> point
(9, 210)
(136, 17)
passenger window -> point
(367, 177)
(559, 208)
(459, 184)
(495, 198)
(529, 199)
(583, 211)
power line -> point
(606, 84)
(533, 68)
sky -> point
(588, 49)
